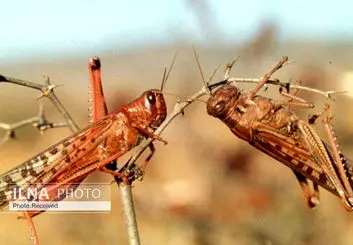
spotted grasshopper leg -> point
(272, 128)
(341, 166)
(99, 106)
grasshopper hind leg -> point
(330, 158)
(32, 228)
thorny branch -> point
(47, 90)
(40, 122)
(287, 85)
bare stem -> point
(129, 214)
(47, 90)
(289, 85)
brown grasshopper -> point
(271, 127)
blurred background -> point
(206, 186)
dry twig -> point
(47, 90)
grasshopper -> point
(271, 127)
(67, 163)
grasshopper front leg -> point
(137, 172)
(150, 133)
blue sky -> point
(41, 27)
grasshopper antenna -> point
(200, 69)
(166, 74)
(164, 79)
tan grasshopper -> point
(271, 127)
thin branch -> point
(229, 68)
(200, 69)
(288, 85)
(129, 214)
(40, 122)
(59, 106)
(47, 90)
(19, 124)
(21, 82)
(214, 73)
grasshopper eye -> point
(151, 98)
(220, 107)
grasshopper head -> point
(147, 111)
(155, 107)
(222, 100)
